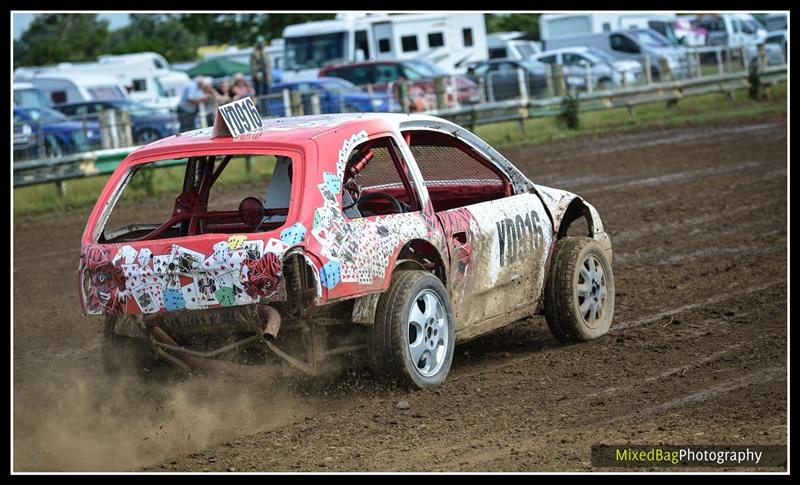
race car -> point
(380, 237)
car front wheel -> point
(413, 337)
(579, 295)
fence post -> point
(127, 129)
(745, 60)
(762, 56)
(287, 103)
(523, 85)
(589, 80)
(689, 65)
(559, 83)
(720, 67)
(698, 65)
(482, 89)
(371, 95)
(105, 131)
(728, 60)
(402, 89)
(441, 92)
(61, 188)
(648, 69)
(248, 164)
(315, 108)
(489, 87)
(665, 73)
(297, 103)
(201, 112)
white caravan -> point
(511, 45)
(74, 87)
(142, 75)
(447, 40)
(560, 26)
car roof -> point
(362, 63)
(297, 131)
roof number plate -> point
(239, 117)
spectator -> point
(261, 69)
(224, 91)
(212, 100)
(192, 96)
(241, 88)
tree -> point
(53, 38)
(242, 29)
(160, 33)
(522, 22)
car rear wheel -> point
(122, 354)
(579, 295)
(413, 337)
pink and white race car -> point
(390, 236)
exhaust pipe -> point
(204, 361)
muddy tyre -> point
(579, 293)
(412, 339)
(122, 354)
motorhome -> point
(447, 40)
(73, 87)
(511, 45)
(559, 26)
(172, 80)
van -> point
(559, 26)
(632, 44)
(76, 87)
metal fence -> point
(495, 96)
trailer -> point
(560, 26)
(448, 40)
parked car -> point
(501, 78)
(54, 132)
(147, 124)
(336, 96)
(392, 236)
(633, 44)
(384, 75)
(777, 38)
(606, 70)
(775, 21)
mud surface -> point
(696, 355)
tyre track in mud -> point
(694, 356)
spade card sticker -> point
(185, 260)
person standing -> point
(261, 70)
(191, 97)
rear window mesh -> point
(441, 164)
(380, 172)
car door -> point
(497, 240)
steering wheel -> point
(382, 195)
(251, 211)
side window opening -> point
(377, 182)
(201, 195)
(454, 173)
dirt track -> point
(697, 353)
